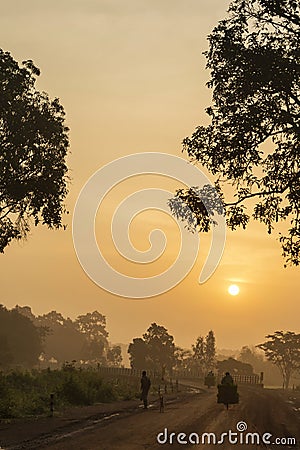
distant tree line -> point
(278, 358)
(283, 350)
(156, 351)
(27, 340)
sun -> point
(233, 289)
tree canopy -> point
(33, 149)
(138, 354)
(161, 347)
(63, 342)
(210, 350)
(252, 140)
(20, 339)
(183, 358)
(283, 350)
(82, 339)
(204, 352)
(114, 356)
(155, 351)
(93, 327)
(199, 352)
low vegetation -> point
(27, 393)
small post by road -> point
(261, 380)
(261, 377)
(51, 405)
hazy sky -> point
(131, 76)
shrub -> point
(28, 393)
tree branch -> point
(296, 100)
(255, 194)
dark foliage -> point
(283, 350)
(254, 60)
(28, 393)
(155, 351)
(33, 150)
(20, 339)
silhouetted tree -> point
(210, 351)
(33, 149)
(67, 340)
(63, 341)
(251, 356)
(93, 327)
(156, 351)
(139, 354)
(114, 356)
(183, 358)
(272, 375)
(204, 352)
(161, 347)
(283, 350)
(253, 57)
(199, 353)
(25, 311)
(20, 340)
(6, 356)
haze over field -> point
(131, 76)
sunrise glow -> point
(233, 289)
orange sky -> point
(131, 77)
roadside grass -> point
(27, 393)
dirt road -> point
(260, 410)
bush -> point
(24, 394)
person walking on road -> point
(145, 386)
